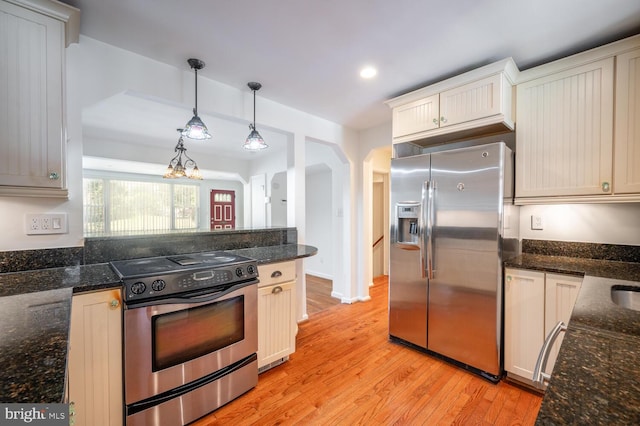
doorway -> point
(223, 209)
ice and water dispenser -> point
(407, 227)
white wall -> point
(589, 223)
(96, 71)
(278, 188)
(319, 217)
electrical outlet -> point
(536, 222)
(48, 223)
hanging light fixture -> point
(177, 168)
(254, 141)
(195, 128)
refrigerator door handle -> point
(426, 237)
(431, 194)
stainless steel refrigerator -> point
(450, 213)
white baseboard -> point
(319, 274)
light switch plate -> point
(536, 222)
(45, 223)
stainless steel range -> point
(190, 335)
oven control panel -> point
(177, 282)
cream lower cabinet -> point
(277, 325)
(95, 359)
(534, 303)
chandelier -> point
(182, 165)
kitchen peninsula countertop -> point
(596, 379)
(35, 310)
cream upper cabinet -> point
(577, 138)
(32, 113)
(565, 132)
(627, 119)
(473, 100)
(534, 303)
(417, 116)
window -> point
(120, 206)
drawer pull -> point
(276, 290)
(276, 274)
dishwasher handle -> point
(539, 376)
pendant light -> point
(254, 141)
(177, 168)
(195, 128)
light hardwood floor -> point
(319, 294)
(345, 371)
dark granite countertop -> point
(35, 309)
(596, 378)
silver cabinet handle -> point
(539, 376)
(114, 303)
(276, 290)
(443, 120)
(605, 186)
(54, 175)
(435, 121)
(276, 274)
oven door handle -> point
(201, 297)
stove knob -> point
(239, 272)
(158, 285)
(138, 288)
(251, 270)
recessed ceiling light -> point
(368, 72)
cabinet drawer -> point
(274, 273)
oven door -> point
(172, 344)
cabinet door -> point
(472, 101)
(95, 358)
(524, 321)
(627, 134)
(31, 108)
(276, 322)
(416, 116)
(565, 132)
(561, 292)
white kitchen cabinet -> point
(627, 117)
(577, 137)
(416, 117)
(565, 132)
(95, 358)
(523, 320)
(277, 325)
(32, 111)
(534, 303)
(476, 99)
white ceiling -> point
(307, 53)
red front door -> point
(223, 209)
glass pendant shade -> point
(254, 141)
(195, 128)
